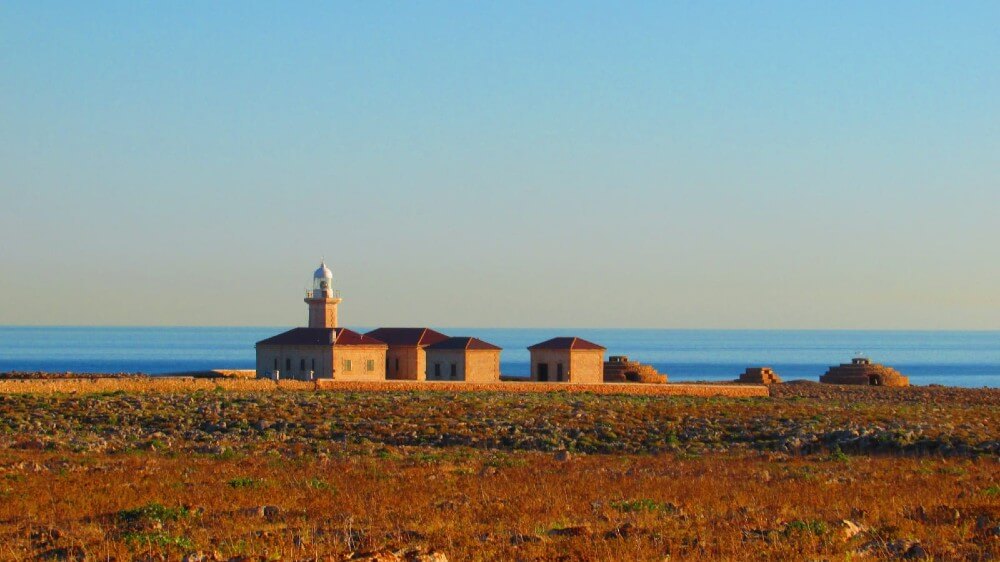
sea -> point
(952, 358)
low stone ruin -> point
(759, 375)
(861, 371)
(619, 369)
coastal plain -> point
(809, 471)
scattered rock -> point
(621, 532)
(916, 552)
(45, 535)
(574, 531)
(405, 555)
(986, 526)
(412, 535)
(518, 538)
(64, 553)
(910, 550)
(31, 445)
(849, 529)
(378, 556)
(269, 512)
(417, 555)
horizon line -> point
(589, 328)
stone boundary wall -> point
(189, 384)
(672, 389)
(144, 384)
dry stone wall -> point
(190, 384)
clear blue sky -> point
(661, 164)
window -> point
(302, 364)
(288, 363)
(437, 370)
(347, 365)
(370, 365)
(275, 363)
(312, 365)
(559, 371)
(454, 371)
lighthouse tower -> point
(323, 300)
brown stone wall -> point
(446, 358)
(317, 358)
(359, 355)
(551, 357)
(420, 363)
(322, 312)
(586, 366)
(412, 363)
(188, 384)
(482, 365)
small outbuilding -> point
(861, 371)
(463, 359)
(759, 375)
(406, 357)
(567, 359)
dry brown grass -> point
(305, 475)
(478, 505)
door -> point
(543, 371)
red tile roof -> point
(320, 336)
(407, 336)
(566, 343)
(463, 343)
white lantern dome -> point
(323, 272)
(323, 282)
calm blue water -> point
(969, 359)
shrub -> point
(643, 504)
(813, 526)
(244, 482)
(153, 512)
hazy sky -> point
(661, 164)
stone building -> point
(759, 375)
(861, 371)
(323, 350)
(406, 357)
(321, 353)
(618, 368)
(567, 359)
(463, 359)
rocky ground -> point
(813, 472)
(800, 418)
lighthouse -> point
(322, 299)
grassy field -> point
(813, 473)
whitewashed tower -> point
(323, 300)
